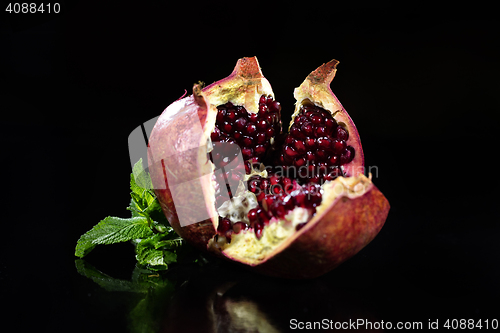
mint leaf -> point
(141, 177)
(113, 230)
(144, 201)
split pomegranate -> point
(229, 181)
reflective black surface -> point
(420, 85)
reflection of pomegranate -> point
(293, 206)
(221, 299)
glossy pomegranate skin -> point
(178, 155)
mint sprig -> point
(156, 242)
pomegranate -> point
(229, 181)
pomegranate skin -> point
(316, 88)
(330, 238)
(180, 170)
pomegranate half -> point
(293, 204)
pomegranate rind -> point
(180, 170)
(329, 238)
(243, 86)
(316, 89)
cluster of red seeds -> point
(315, 149)
(316, 146)
(238, 131)
(277, 197)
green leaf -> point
(112, 230)
(141, 179)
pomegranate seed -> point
(237, 135)
(259, 150)
(299, 161)
(247, 141)
(221, 113)
(334, 160)
(307, 129)
(321, 155)
(215, 135)
(275, 106)
(320, 131)
(295, 131)
(260, 196)
(258, 230)
(250, 129)
(324, 143)
(276, 189)
(347, 155)
(253, 185)
(310, 156)
(271, 118)
(299, 198)
(263, 99)
(274, 179)
(254, 117)
(240, 123)
(227, 127)
(338, 146)
(238, 226)
(310, 143)
(316, 120)
(224, 225)
(261, 137)
(329, 123)
(270, 198)
(263, 216)
(299, 146)
(252, 215)
(289, 151)
(262, 109)
(269, 132)
(279, 210)
(247, 153)
(262, 125)
(231, 115)
(342, 133)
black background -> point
(420, 83)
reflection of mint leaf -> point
(107, 282)
(113, 230)
(156, 251)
